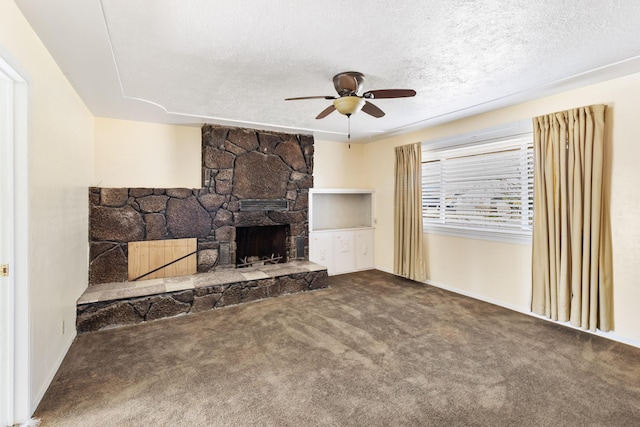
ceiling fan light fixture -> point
(348, 105)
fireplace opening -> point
(261, 245)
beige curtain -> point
(572, 268)
(408, 256)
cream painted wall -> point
(500, 272)
(338, 166)
(492, 271)
(60, 137)
(137, 154)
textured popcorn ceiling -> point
(234, 62)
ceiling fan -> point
(348, 84)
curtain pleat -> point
(408, 234)
(572, 278)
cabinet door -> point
(321, 250)
(364, 250)
(344, 259)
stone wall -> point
(237, 164)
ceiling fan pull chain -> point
(349, 129)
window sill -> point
(515, 237)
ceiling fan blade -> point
(372, 110)
(330, 109)
(310, 97)
(389, 93)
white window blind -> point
(483, 188)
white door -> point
(364, 249)
(14, 287)
(321, 249)
(344, 257)
(6, 244)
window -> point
(479, 189)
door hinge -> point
(4, 270)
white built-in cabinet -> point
(341, 229)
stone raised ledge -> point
(124, 303)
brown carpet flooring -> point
(373, 350)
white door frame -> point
(15, 405)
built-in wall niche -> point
(335, 209)
(341, 236)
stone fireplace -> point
(250, 180)
(251, 211)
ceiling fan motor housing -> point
(348, 83)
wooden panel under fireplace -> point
(146, 259)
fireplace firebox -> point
(259, 245)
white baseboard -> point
(476, 296)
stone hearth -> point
(110, 305)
